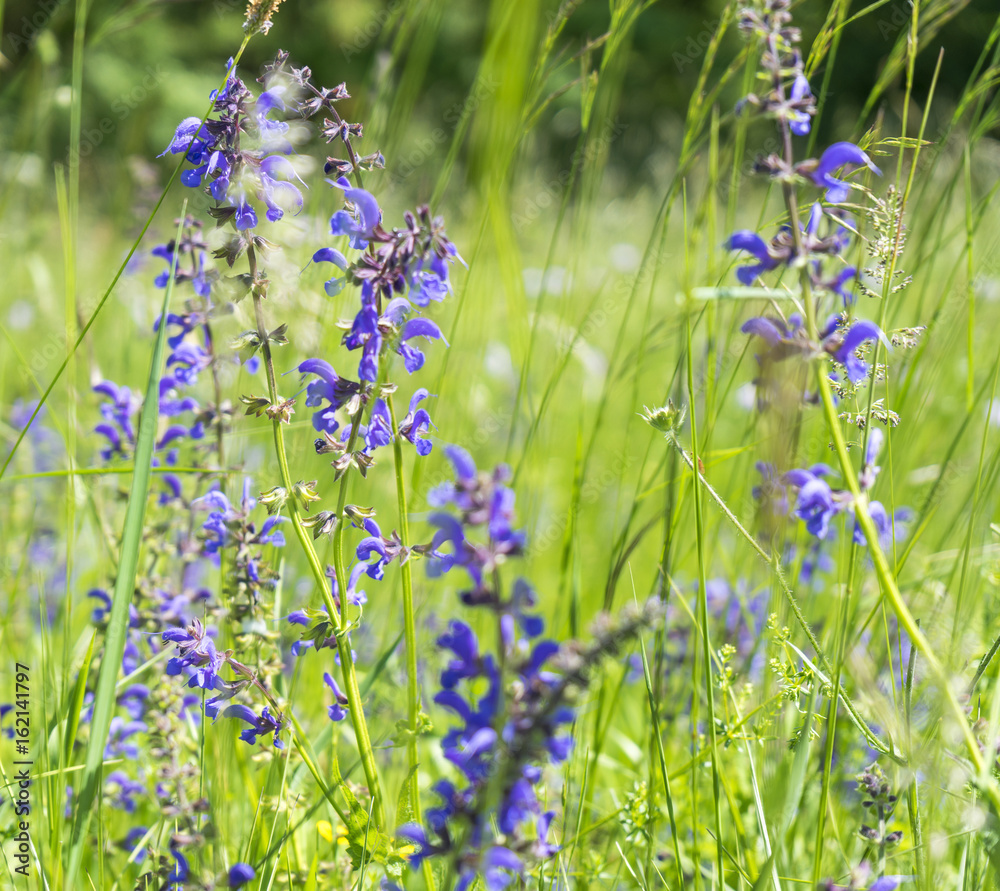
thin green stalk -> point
(114, 281)
(410, 632)
(774, 561)
(884, 573)
(114, 640)
(352, 691)
(703, 620)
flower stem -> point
(352, 691)
(410, 633)
(883, 571)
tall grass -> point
(587, 296)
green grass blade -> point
(81, 336)
(114, 641)
(76, 702)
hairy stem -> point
(410, 633)
(352, 691)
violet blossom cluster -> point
(513, 707)
(813, 249)
(825, 235)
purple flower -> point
(336, 284)
(198, 657)
(329, 393)
(184, 137)
(836, 156)
(413, 358)
(279, 194)
(240, 874)
(430, 284)
(846, 351)
(385, 550)
(260, 725)
(869, 470)
(368, 214)
(337, 711)
(799, 121)
(119, 732)
(181, 870)
(497, 862)
(752, 243)
(127, 790)
(246, 216)
(379, 432)
(417, 423)
(815, 503)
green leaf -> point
(379, 666)
(404, 805)
(76, 703)
(739, 293)
(128, 562)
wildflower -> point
(838, 155)
(329, 393)
(417, 423)
(845, 350)
(240, 874)
(198, 657)
(333, 285)
(801, 95)
(384, 549)
(869, 471)
(816, 503)
(119, 732)
(337, 711)
(131, 842)
(182, 869)
(413, 358)
(752, 243)
(361, 225)
(127, 790)
(260, 725)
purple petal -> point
(746, 240)
(763, 328)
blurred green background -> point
(561, 186)
(150, 63)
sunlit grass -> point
(586, 297)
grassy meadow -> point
(731, 673)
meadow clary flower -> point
(816, 503)
(335, 284)
(800, 94)
(328, 393)
(240, 874)
(361, 225)
(128, 788)
(260, 725)
(752, 243)
(413, 358)
(198, 658)
(836, 156)
(417, 423)
(845, 351)
(337, 711)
